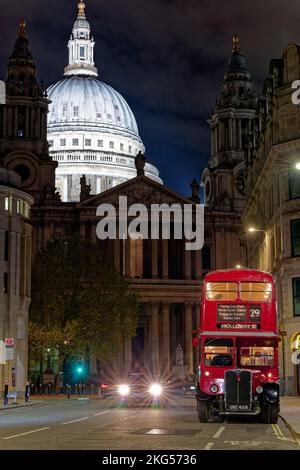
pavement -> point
(93, 424)
(290, 414)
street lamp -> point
(254, 229)
(297, 166)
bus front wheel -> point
(270, 413)
(203, 411)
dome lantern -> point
(81, 47)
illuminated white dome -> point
(79, 101)
(91, 128)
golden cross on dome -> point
(236, 47)
(81, 8)
(22, 26)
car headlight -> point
(155, 390)
(214, 388)
(123, 390)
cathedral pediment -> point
(140, 189)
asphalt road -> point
(60, 424)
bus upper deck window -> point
(256, 291)
(221, 291)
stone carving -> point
(240, 181)
(140, 162)
(179, 355)
(85, 190)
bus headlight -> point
(214, 388)
(155, 390)
(123, 390)
(259, 389)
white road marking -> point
(25, 433)
(279, 430)
(275, 430)
(209, 446)
(75, 420)
(219, 432)
(102, 413)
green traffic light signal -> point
(79, 370)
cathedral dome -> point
(85, 101)
(91, 128)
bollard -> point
(27, 392)
(6, 393)
(68, 391)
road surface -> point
(95, 424)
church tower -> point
(224, 180)
(231, 126)
(23, 123)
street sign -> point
(9, 349)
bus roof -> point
(244, 275)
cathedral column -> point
(27, 123)
(117, 254)
(239, 134)
(155, 340)
(166, 338)
(15, 130)
(216, 139)
(198, 261)
(188, 263)
(126, 247)
(93, 233)
(4, 122)
(230, 133)
(82, 230)
(165, 258)
(154, 259)
(188, 338)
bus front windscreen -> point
(218, 352)
(255, 353)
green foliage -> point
(79, 302)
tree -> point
(79, 303)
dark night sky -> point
(166, 57)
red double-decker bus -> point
(238, 369)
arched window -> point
(206, 257)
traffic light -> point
(80, 367)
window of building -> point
(295, 237)
(130, 149)
(5, 283)
(76, 111)
(100, 143)
(122, 147)
(65, 109)
(88, 142)
(294, 184)
(6, 239)
(82, 52)
(111, 145)
(62, 142)
(75, 142)
(109, 116)
(50, 142)
(296, 296)
(6, 203)
(18, 206)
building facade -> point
(15, 279)
(273, 205)
(91, 129)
